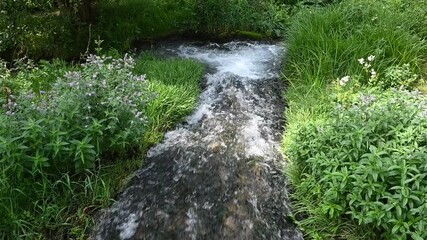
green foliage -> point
(396, 76)
(176, 85)
(365, 166)
(62, 128)
(220, 16)
(64, 28)
(123, 22)
(97, 110)
(68, 133)
(40, 29)
(357, 148)
(324, 43)
(309, 2)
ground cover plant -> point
(356, 134)
(65, 141)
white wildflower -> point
(344, 80)
(371, 58)
(373, 73)
(138, 114)
(361, 61)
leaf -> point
(395, 229)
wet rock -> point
(215, 147)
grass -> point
(176, 85)
(63, 207)
(324, 44)
(123, 22)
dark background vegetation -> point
(66, 28)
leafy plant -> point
(67, 133)
(68, 125)
(367, 164)
(396, 76)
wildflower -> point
(138, 114)
(361, 61)
(140, 78)
(373, 73)
(367, 99)
(344, 80)
(128, 61)
(371, 58)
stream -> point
(219, 175)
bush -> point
(88, 113)
(364, 165)
(120, 23)
(53, 134)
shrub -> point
(39, 30)
(364, 165)
(54, 132)
(393, 76)
(94, 112)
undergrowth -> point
(67, 133)
(52, 29)
(356, 144)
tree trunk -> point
(86, 11)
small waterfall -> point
(218, 175)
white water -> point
(252, 63)
(218, 175)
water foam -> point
(212, 177)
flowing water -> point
(218, 175)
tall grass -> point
(175, 83)
(122, 22)
(324, 44)
(227, 16)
